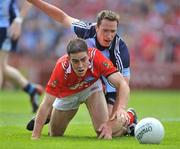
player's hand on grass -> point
(35, 138)
(105, 131)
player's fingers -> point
(113, 117)
(35, 138)
(127, 120)
(107, 137)
(101, 135)
(101, 127)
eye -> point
(113, 31)
(84, 59)
(75, 61)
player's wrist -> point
(19, 19)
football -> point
(149, 131)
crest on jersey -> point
(106, 64)
(54, 83)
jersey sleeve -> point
(104, 65)
(53, 85)
(125, 58)
(124, 53)
(83, 29)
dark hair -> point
(107, 14)
(77, 45)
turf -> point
(15, 111)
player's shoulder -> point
(95, 54)
(120, 40)
(83, 24)
(63, 62)
(92, 51)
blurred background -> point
(150, 28)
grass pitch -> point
(15, 112)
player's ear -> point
(96, 27)
(69, 58)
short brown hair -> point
(107, 14)
(77, 45)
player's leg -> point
(62, 113)
(14, 75)
(2, 59)
(60, 120)
(97, 107)
(8, 72)
(2, 54)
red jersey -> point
(64, 82)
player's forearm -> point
(52, 11)
(122, 90)
(25, 9)
(42, 115)
(122, 98)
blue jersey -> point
(8, 11)
(118, 52)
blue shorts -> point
(6, 43)
(110, 97)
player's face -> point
(106, 31)
(80, 63)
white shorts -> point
(73, 101)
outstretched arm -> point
(54, 12)
(119, 116)
(42, 114)
(122, 95)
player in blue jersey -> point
(102, 35)
(10, 29)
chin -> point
(80, 74)
(106, 45)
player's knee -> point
(119, 133)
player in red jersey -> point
(65, 74)
(75, 80)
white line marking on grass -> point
(177, 119)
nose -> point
(80, 64)
(109, 35)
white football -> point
(149, 131)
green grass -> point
(15, 111)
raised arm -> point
(54, 12)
